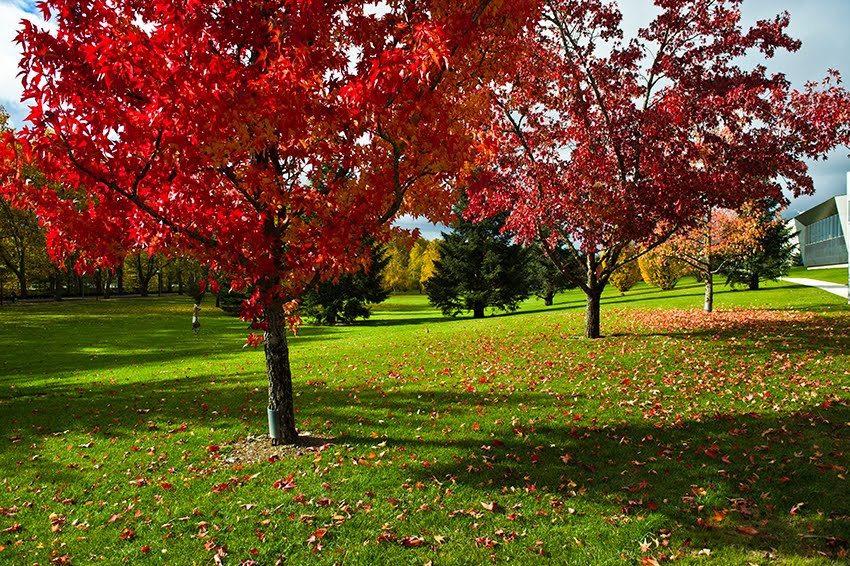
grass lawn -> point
(830, 275)
(721, 438)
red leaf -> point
(16, 527)
(411, 541)
(286, 483)
(317, 536)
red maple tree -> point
(599, 140)
(270, 139)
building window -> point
(826, 229)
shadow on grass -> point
(756, 481)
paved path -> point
(834, 288)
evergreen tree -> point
(770, 258)
(479, 267)
(348, 298)
(545, 278)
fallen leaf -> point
(491, 506)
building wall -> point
(823, 232)
(827, 252)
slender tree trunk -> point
(98, 282)
(280, 376)
(593, 292)
(145, 275)
(592, 314)
(57, 284)
(180, 277)
(478, 310)
(549, 299)
(754, 282)
(107, 287)
(22, 282)
(119, 273)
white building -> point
(823, 232)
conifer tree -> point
(345, 300)
(772, 255)
(480, 266)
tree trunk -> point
(754, 282)
(119, 273)
(549, 299)
(478, 310)
(144, 278)
(592, 313)
(180, 277)
(107, 288)
(280, 376)
(22, 283)
(57, 285)
(98, 282)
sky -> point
(822, 26)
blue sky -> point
(822, 25)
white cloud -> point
(11, 14)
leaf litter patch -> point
(256, 449)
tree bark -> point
(180, 277)
(549, 299)
(280, 375)
(478, 310)
(754, 282)
(57, 285)
(708, 305)
(592, 313)
(98, 282)
(22, 283)
(107, 287)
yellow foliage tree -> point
(429, 257)
(626, 276)
(661, 271)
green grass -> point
(717, 437)
(830, 275)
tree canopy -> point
(266, 139)
(600, 140)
